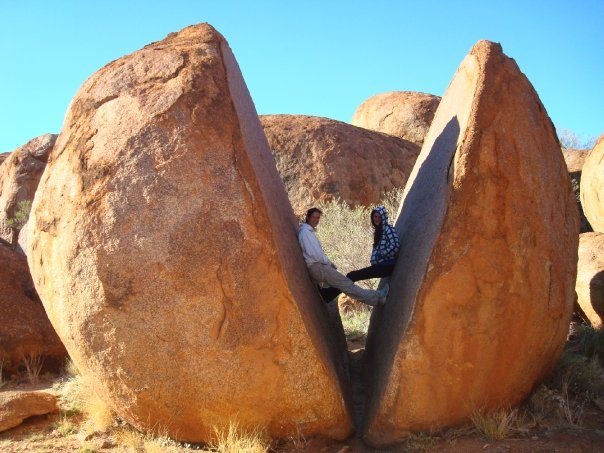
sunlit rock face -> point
(592, 186)
(321, 159)
(164, 249)
(404, 114)
(590, 277)
(482, 295)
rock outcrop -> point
(164, 249)
(18, 405)
(404, 114)
(590, 277)
(25, 331)
(20, 174)
(324, 159)
(482, 295)
(574, 159)
(592, 186)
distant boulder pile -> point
(404, 114)
(320, 159)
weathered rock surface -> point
(322, 159)
(17, 405)
(19, 177)
(3, 156)
(590, 277)
(25, 331)
(592, 186)
(164, 249)
(404, 114)
(574, 159)
(483, 292)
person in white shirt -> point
(323, 271)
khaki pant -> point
(326, 274)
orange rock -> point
(590, 277)
(25, 331)
(592, 186)
(322, 159)
(404, 114)
(20, 174)
(574, 159)
(164, 249)
(482, 295)
(16, 406)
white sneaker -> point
(383, 292)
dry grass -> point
(77, 395)
(495, 425)
(147, 443)
(237, 440)
(346, 233)
(356, 322)
(33, 366)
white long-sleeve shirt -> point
(311, 247)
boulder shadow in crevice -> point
(596, 294)
(420, 218)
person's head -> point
(379, 216)
(313, 215)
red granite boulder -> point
(404, 114)
(483, 292)
(163, 248)
(324, 159)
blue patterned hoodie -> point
(386, 251)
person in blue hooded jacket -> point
(386, 245)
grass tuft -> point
(236, 440)
(356, 322)
(495, 425)
(77, 396)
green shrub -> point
(21, 215)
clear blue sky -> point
(315, 57)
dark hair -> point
(310, 212)
(377, 233)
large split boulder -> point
(590, 277)
(25, 331)
(592, 186)
(20, 174)
(164, 249)
(324, 159)
(404, 114)
(483, 292)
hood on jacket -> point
(381, 210)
